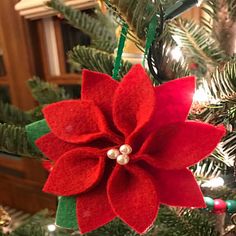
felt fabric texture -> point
(75, 172)
(66, 213)
(173, 101)
(93, 208)
(82, 123)
(150, 119)
(47, 165)
(130, 110)
(178, 188)
(53, 147)
(182, 144)
(133, 197)
(94, 88)
(36, 130)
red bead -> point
(220, 206)
(193, 66)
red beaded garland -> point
(220, 206)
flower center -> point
(121, 155)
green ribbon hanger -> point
(121, 46)
(151, 34)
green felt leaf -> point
(66, 213)
(36, 130)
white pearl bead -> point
(122, 159)
(125, 149)
(113, 153)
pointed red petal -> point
(133, 101)
(47, 165)
(133, 197)
(180, 145)
(93, 208)
(53, 147)
(178, 188)
(75, 121)
(100, 88)
(75, 172)
(173, 101)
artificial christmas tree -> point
(152, 27)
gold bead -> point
(113, 153)
(125, 149)
(122, 159)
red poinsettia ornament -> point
(125, 147)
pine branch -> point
(46, 93)
(208, 169)
(224, 193)
(212, 8)
(170, 222)
(137, 15)
(220, 20)
(229, 143)
(226, 150)
(220, 113)
(103, 38)
(36, 113)
(197, 43)
(13, 115)
(184, 223)
(220, 162)
(35, 225)
(96, 60)
(222, 85)
(13, 140)
(232, 9)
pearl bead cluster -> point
(121, 155)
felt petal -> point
(53, 147)
(133, 101)
(180, 145)
(47, 165)
(66, 213)
(75, 172)
(173, 101)
(133, 197)
(178, 188)
(100, 88)
(75, 121)
(93, 208)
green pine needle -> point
(103, 37)
(13, 140)
(45, 92)
(95, 60)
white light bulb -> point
(214, 183)
(51, 228)
(200, 96)
(176, 54)
(199, 3)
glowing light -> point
(199, 3)
(201, 96)
(51, 228)
(176, 54)
(214, 183)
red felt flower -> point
(152, 166)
